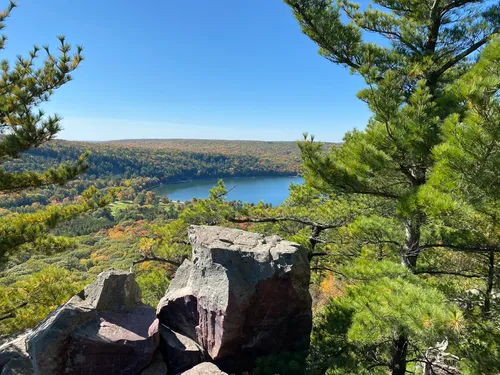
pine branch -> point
(12, 313)
(340, 55)
(474, 47)
(12, 182)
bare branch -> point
(226, 193)
(320, 226)
(471, 249)
(154, 258)
(450, 273)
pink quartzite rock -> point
(205, 368)
(241, 295)
(102, 330)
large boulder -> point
(102, 330)
(242, 295)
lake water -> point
(272, 190)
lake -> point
(272, 190)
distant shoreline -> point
(219, 178)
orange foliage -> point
(114, 233)
(96, 258)
(328, 288)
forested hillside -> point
(169, 160)
(146, 163)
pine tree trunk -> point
(398, 360)
(411, 247)
(489, 285)
(411, 250)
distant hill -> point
(167, 160)
(213, 146)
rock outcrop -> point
(242, 295)
(102, 330)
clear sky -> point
(221, 69)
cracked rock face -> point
(241, 295)
(102, 330)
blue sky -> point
(189, 69)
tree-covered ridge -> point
(190, 159)
(217, 146)
(111, 164)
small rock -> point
(13, 356)
(205, 368)
(18, 366)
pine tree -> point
(24, 86)
(422, 48)
(468, 163)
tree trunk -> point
(489, 285)
(411, 247)
(399, 352)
